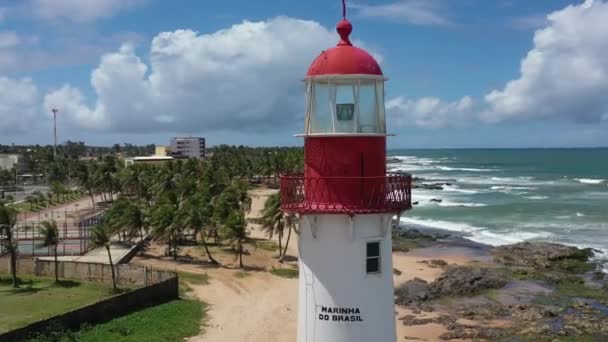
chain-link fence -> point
(74, 232)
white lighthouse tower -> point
(346, 201)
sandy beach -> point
(263, 307)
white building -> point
(192, 147)
(8, 161)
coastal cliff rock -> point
(456, 280)
(541, 255)
(415, 290)
(467, 280)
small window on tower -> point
(372, 261)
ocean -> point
(504, 196)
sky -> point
(462, 73)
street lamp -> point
(55, 111)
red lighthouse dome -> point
(344, 59)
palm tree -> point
(8, 220)
(196, 214)
(135, 220)
(86, 179)
(273, 220)
(229, 212)
(57, 189)
(50, 235)
(290, 222)
(30, 200)
(166, 227)
(100, 237)
(235, 230)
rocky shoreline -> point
(530, 291)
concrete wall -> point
(126, 275)
(103, 311)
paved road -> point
(27, 190)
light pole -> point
(55, 110)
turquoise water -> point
(500, 196)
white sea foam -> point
(445, 203)
(510, 188)
(589, 180)
(477, 234)
(580, 214)
(468, 169)
(445, 225)
(409, 167)
(456, 188)
(497, 239)
(505, 181)
(537, 197)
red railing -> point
(346, 195)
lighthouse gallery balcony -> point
(346, 195)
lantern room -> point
(344, 90)
(345, 138)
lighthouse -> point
(345, 200)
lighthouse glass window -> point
(344, 95)
(348, 106)
(372, 260)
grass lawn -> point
(285, 272)
(171, 321)
(40, 298)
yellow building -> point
(161, 150)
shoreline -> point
(461, 238)
(255, 305)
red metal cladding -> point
(344, 156)
(384, 194)
(347, 157)
(344, 59)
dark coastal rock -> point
(393, 160)
(467, 280)
(456, 280)
(415, 290)
(435, 200)
(542, 255)
(415, 203)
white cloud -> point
(418, 12)
(430, 112)
(246, 77)
(565, 75)
(80, 10)
(19, 104)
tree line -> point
(204, 199)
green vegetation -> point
(274, 220)
(411, 239)
(50, 236)
(171, 321)
(100, 237)
(8, 221)
(40, 298)
(285, 272)
(194, 278)
(270, 246)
